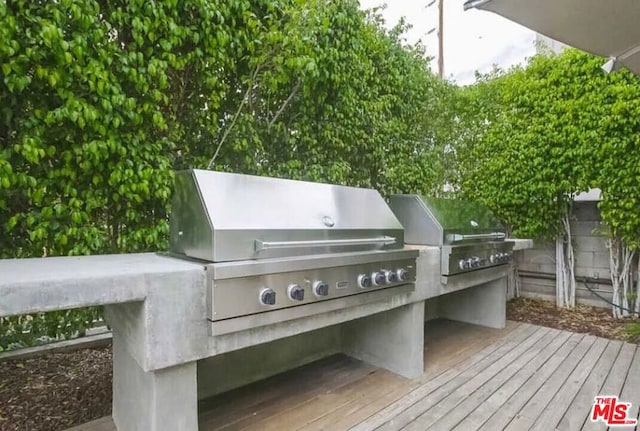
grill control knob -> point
(378, 278)
(364, 281)
(391, 276)
(463, 264)
(493, 258)
(267, 297)
(295, 292)
(320, 288)
(403, 274)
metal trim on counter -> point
(239, 296)
(248, 268)
(473, 278)
(238, 324)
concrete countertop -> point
(58, 283)
(521, 243)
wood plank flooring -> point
(523, 377)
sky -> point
(473, 39)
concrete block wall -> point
(537, 265)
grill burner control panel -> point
(465, 258)
(380, 278)
(478, 262)
(242, 296)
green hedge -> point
(102, 100)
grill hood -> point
(438, 222)
(218, 216)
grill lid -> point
(438, 222)
(218, 216)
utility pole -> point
(440, 38)
(440, 28)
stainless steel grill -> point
(468, 233)
(276, 244)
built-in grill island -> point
(265, 275)
(274, 248)
(473, 254)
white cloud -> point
(473, 39)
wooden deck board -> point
(519, 378)
(357, 410)
(249, 399)
(431, 383)
(291, 401)
(614, 381)
(476, 409)
(311, 410)
(441, 354)
(497, 401)
(631, 389)
(507, 411)
(578, 412)
(411, 409)
(536, 405)
(560, 402)
(437, 415)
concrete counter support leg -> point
(392, 339)
(159, 400)
(483, 305)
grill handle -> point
(493, 235)
(267, 245)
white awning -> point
(610, 28)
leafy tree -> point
(534, 148)
(103, 99)
(99, 98)
(335, 97)
(617, 174)
(534, 137)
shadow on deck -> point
(519, 378)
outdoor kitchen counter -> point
(157, 303)
(156, 306)
(521, 243)
(59, 283)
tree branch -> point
(286, 102)
(235, 116)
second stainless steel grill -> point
(275, 244)
(468, 233)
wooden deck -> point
(524, 377)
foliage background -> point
(101, 100)
(536, 136)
